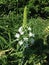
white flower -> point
(30, 34)
(17, 35)
(25, 39)
(20, 42)
(29, 28)
(20, 30)
(33, 35)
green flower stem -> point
(25, 17)
(9, 37)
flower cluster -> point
(25, 36)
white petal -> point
(17, 35)
(20, 29)
(29, 28)
(25, 39)
(21, 33)
(31, 35)
(20, 42)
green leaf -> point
(3, 39)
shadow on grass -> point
(38, 49)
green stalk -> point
(25, 17)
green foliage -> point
(33, 13)
(3, 42)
